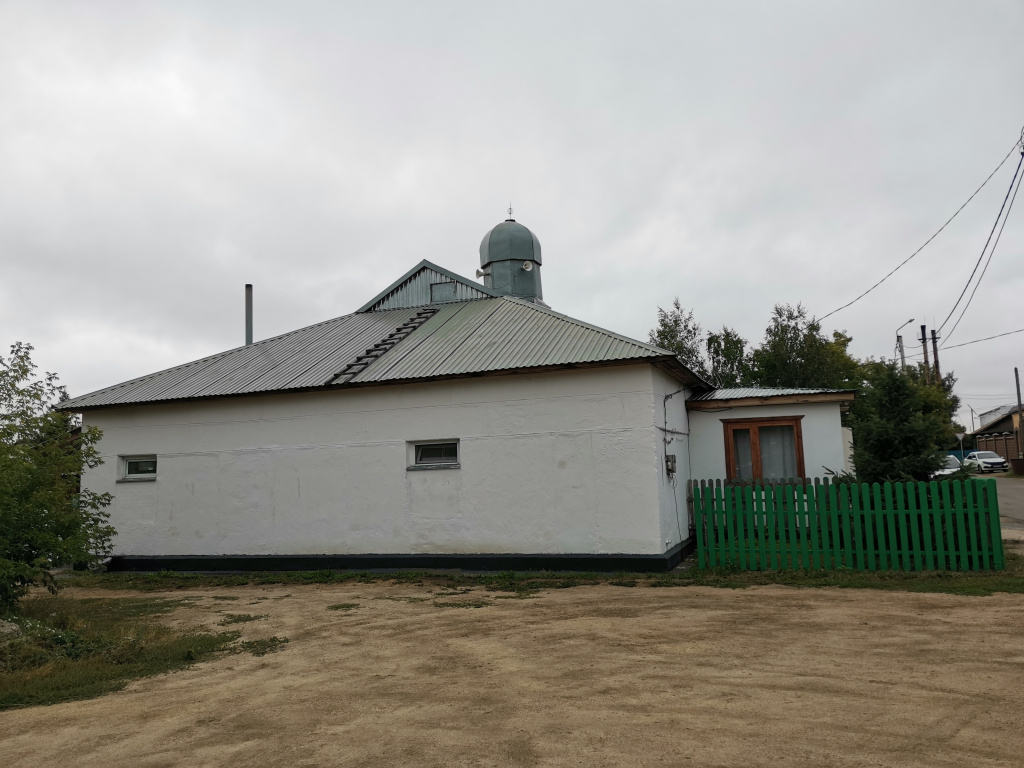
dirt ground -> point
(589, 676)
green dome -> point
(509, 241)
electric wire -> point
(987, 261)
(987, 241)
(926, 242)
(973, 341)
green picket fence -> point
(952, 525)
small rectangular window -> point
(138, 468)
(437, 453)
(442, 292)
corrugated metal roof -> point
(413, 289)
(738, 393)
(465, 338)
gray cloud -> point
(155, 158)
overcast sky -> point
(154, 157)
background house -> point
(446, 422)
(1000, 431)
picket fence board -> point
(952, 525)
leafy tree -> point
(46, 518)
(795, 353)
(728, 362)
(901, 423)
(679, 332)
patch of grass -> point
(224, 597)
(343, 607)
(403, 599)
(462, 603)
(530, 583)
(240, 618)
(77, 649)
(264, 646)
(981, 583)
(520, 596)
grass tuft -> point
(240, 618)
(264, 646)
(77, 649)
(462, 603)
(343, 607)
(449, 583)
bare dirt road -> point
(589, 676)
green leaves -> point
(720, 358)
(679, 332)
(794, 353)
(46, 518)
(901, 423)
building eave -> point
(820, 397)
(680, 375)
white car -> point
(985, 461)
(952, 465)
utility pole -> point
(1020, 418)
(899, 343)
(927, 365)
(935, 350)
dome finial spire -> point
(510, 213)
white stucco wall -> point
(672, 438)
(562, 462)
(821, 428)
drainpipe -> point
(1020, 418)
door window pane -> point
(778, 452)
(742, 456)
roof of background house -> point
(458, 339)
(994, 414)
(765, 395)
(1001, 422)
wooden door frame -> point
(729, 425)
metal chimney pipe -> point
(248, 314)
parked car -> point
(986, 461)
(952, 465)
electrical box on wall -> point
(670, 463)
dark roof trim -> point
(842, 396)
(428, 265)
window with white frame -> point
(434, 455)
(138, 467)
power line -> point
(987, 241)
(926, 242)
(975, 341)
(987, 338)
(990, 254)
